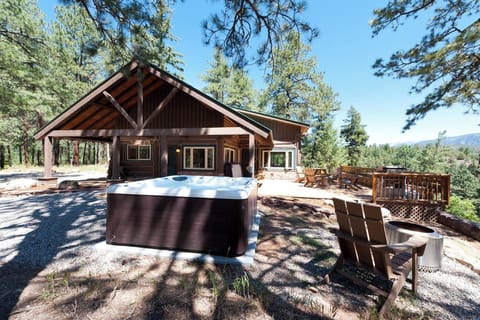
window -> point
(138, 152)
(278, 159)
(201, 158)
(229, 155)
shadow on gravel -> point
(37, 230)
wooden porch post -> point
(139, 97)
(156, 157)
(220, 155)
(163, 156)
(116, 158)
(47, 152)
(251, 154)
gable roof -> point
(94, 111)
(303, 126)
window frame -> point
(138, 152)
(188, 149)
(229, 152)
(290, 156)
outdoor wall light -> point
(177, 150)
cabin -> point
(158, 125)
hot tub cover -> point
(210, 187)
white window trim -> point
(189, 149)
(289, 157)
(138, 146)
(234, 154)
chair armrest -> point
(415, 244)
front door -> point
(172, 160)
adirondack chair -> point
(363, 244)
(300, 174)
(309, 177)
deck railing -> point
(411, 187)
(362, 175)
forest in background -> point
(47, 65)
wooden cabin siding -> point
(138, 168)
(280, 130)
(124, 102)
(182, 111)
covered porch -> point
(158, 125)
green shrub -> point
(463, 208)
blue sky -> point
(345, 52)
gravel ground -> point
(55, 231)
(58, 231)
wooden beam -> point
(127, 100)
(139, 97)
(163, 156)
(251, 154)
(209, 102)
(82, 102)
(47, 153)
(161, 105)
(220, 155)
(120, 109)
(215, 131)
(116, 158)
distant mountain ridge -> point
(466, 140)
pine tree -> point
(229, 84)
(445, 63)
(217, 77)
(240, 21)
(240, 91)
(147, 40)
(23, 83)
(296, 91)
(354, 134)
(74, 67)
(322, 148)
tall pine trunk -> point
(84, 156)
(101, 152)
(76, 153)
(39, 157)
(9, 156)
(68, 154)
(32, 152)
(20, 154)
(56, 152)
(2, 156)
(89, 152)
(40, 125)
(25, 143)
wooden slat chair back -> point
(363, 242)
(377, 234)
(346, 246)
(300, 174)
(310, 177)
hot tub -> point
(188, 213)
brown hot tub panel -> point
(207, 225)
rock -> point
(68, 185)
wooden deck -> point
(411, 187)
(416, 196)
